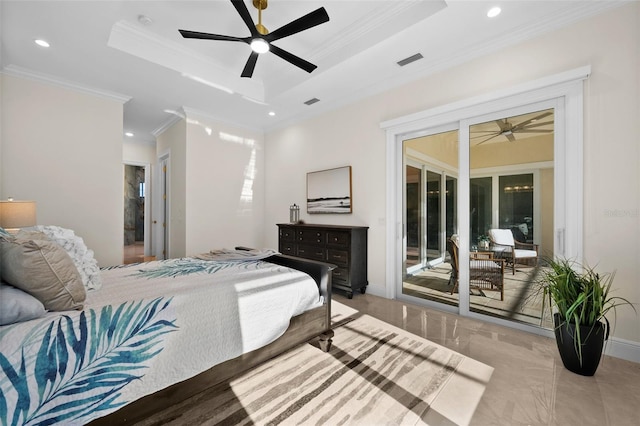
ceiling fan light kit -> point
(258, 45)
(261, 39)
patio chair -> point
(506, 247)
(485, 271)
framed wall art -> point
(329, 191)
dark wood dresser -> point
(343, 246)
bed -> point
(157, 333)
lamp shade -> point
(17, 214)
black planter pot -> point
(593, 339)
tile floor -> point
(529, 385)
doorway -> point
(136, 214)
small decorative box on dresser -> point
(343, 246)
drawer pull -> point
(319, 253)
(337, 274)
(300, 251)
(318, 241)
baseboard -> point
(624, 349)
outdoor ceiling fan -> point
(261, 39)
(509, 129)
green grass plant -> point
(581, 296)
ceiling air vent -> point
(407, 61)
(312, 101)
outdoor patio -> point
(434, 284)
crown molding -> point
(173, 119)
(16, 71)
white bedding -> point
(188, 316)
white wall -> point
(225, 185)
(217, 185)
(351, 135)
(63, 149)
(138, 153)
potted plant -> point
(483, 242)
(581, 298)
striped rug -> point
(375, 374)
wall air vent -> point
(312, 101)
(412, 58)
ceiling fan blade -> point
(246, 16)
(293, 59)
(529, 126)
(531, 120)
(310, 20)
(207, 36)
(528, 130)
(488, 139)
(510, 137)
(483, 133)
(250, 65)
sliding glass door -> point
(510, 187)
(511, 165)
(430, 215)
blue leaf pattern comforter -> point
(149, 326)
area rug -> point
(374, 374)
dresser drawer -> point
(311, 236)
(287, 247)
(343, 246)
(338, 257)
(336, 238)
(340, 276)
(310, 252)
(287, 234)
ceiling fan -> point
(261, 39)
(509, 129)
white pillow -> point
(81, 255)
(18, 306)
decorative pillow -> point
(82, 256)
(44, 270)
(4, 234)
(18, 306)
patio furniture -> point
(506, 247)
(485, 271)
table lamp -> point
(17, 214)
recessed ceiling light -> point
(272, 113)
(41, 42)
(129, 134)
(493, 12)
